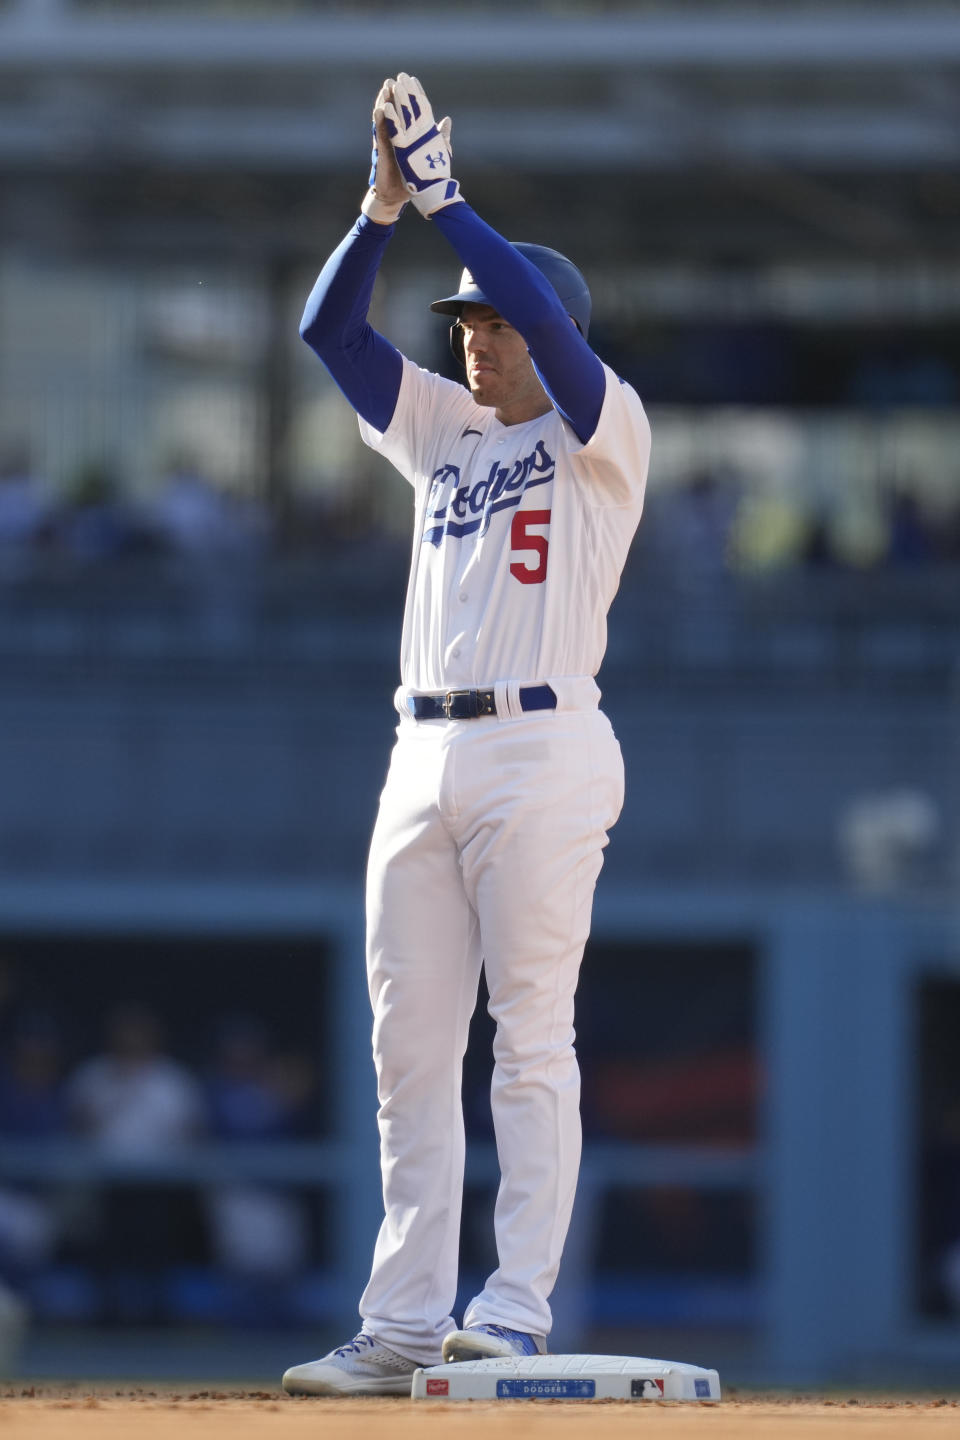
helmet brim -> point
(453, 304)
(560, 272)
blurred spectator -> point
(250, 525)
(885, 528)
(192, 518)
(31, 1108)
(770, 531)
(31, 1072)
(693, 526)
(133, 1099)
(256, 1230)
(888, 838)
(96, 524)
(26, 510)
(252, 1093)
(818, 549)
(911, 541)
(138, 1104)
(188, 513)
(859, 529)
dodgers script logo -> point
(458, 509)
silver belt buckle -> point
(448, 699)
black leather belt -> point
(472, 704)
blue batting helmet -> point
(561, 272)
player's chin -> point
(482, 390)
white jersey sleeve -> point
(612, 466)
(428, 411)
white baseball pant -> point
(486, 849)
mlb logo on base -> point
(647, 1389)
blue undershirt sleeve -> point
(364, 364)
(571, 373)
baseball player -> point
(505, 776)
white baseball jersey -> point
(520, 536)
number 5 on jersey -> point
(523, 537)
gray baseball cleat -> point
(491, 1342)
(361, 1367)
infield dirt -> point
(52, 1412)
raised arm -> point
(364, 364)
(571, 373)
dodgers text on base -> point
(566, 1377)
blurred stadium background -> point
(201, 575)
